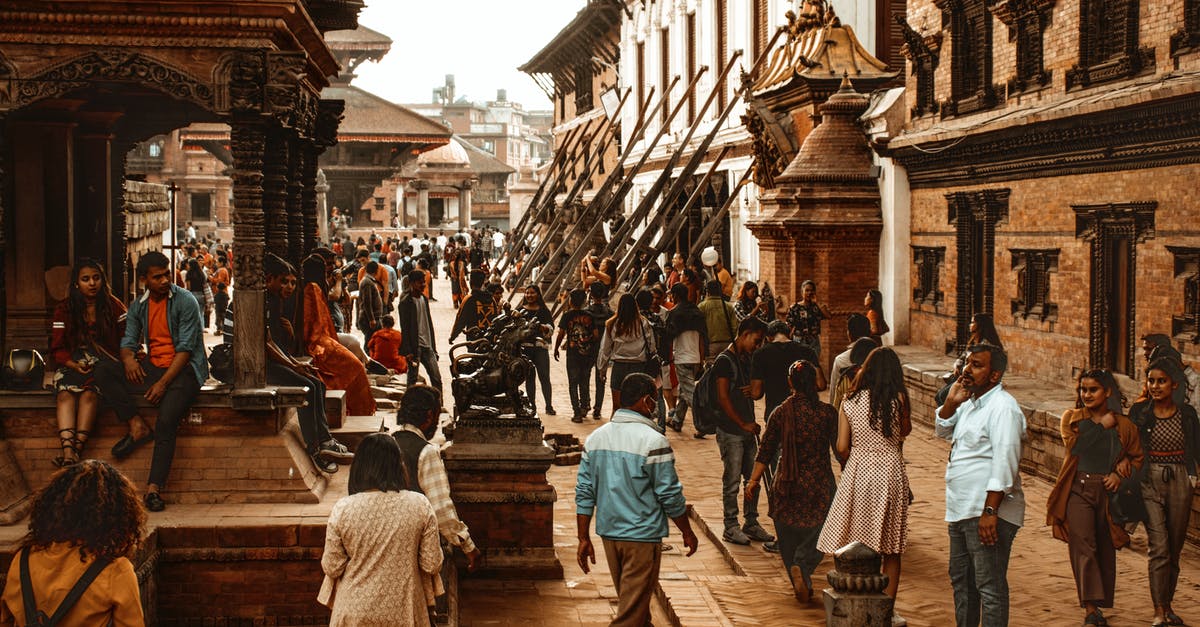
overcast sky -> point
(481, 42)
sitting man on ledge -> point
(167, 318)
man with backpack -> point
(737, 430)
(719, 317)
(582, 332)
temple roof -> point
(361, 38)
(370, 118)
(482, 161)
(452, 155)
(585, 40)
(819, 48)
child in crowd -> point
(384, 346)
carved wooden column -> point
(295, 216)
(274, 194)
(310, 222)
(248, 138)
(3, 230)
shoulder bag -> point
(37, 618)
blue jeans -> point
(979, 573)
(737, 457)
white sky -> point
(481, 42)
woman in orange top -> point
(340, 369)
(1102, 447)
(88, 512)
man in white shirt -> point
(497, 244)
(984, 503)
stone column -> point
(422, 188)
(322, 196)
(464, 203)
(248, 143)
(856, 598)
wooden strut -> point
(643, 208)
(711, 227)
(559, 218)
(618, 198)
(567, 151)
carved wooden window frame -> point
(1026, 21)
(970, 25)
(1096, 224)
(928, 262)
(1108, 44)
(584, 93)
(923, 53)
(975, 213)
(1186, 326)
(1187, 39)
(1033, 268)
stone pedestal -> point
(857, 598)
(497, 468)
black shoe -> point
(596, 414)
(127, 445)
(154, 502)
(578, 417)
(771, 547)
(699, 436)
(327, 466)
(550, 411)
(676, 425)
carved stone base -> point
(497, 469)
(15, 499)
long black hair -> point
(802, 376)
(883, 378)
(378, 465)
(986, 333)
(627, 322)
(1116, 400)
(106, 318)
(195, 276)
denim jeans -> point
(541, 371)
(579, 373)
(686, 373)
(314, 427)
(118, 392)
(427, 358)
(979, 573)
(737, 457)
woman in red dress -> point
(340, 369)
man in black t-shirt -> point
(737, 431)
(770, 365)
(581, 331)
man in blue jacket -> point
(628, 473)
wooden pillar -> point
(274, 189)
(295, 215)
(4, 152)
(120, 274)
(311, 229)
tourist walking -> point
(871, 505)
(687, 336)
(417, 340)
(749, 303)
(1170, 437)
(534, 307)
(737, 432)
(197, 284)
(720, 319)
(336, 365)
(859, 351)
(83, 527)
(857, 326)
(985, 506)
(582, 333)
(598, 307)
(628, 342)
(370, 303)
(168, 374)
(1102, 446)
(879, 326)
(800, 433)
(382, 553)
(805, 316)
(87, 329)
(770, 363)
(627, 480)
(477, 310)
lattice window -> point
(1108, 43)
(641, 73)
(761, 28)
(691, 65)
(971, 56)
(1033, 269)
(928, 261)
(584, 100)
(975, 216)
(1188, 38)
(664, 70)
(1186, 327)
(722, 49)
(923, 53)
(1026, 21)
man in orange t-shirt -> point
(384, 346)
(166, 318)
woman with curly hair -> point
(86, 521)
(87, 328)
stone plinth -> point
(857, 598)
(497, 469)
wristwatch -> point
(989, 510)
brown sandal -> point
(71, 444)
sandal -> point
(1095, 618)
(81, 440)
(68, 444)
(1173, 619)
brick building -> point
(1052, 150)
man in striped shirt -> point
(628, 472)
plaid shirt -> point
(431, 476)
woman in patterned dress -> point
(1170, 435)
(87, 328)
(871, 505)
(803, 430)
(383, 555)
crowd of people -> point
(681, 339)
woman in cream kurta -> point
(382, 560)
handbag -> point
(1125, 506)
(654, 363)
(220, 362)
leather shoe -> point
(154, 502)
(127, 445)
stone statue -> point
(488, 379)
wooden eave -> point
(171, 23)
(587, 36)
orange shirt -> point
(158, 335)
(219, 277)
(54, 570)
(385, 349)
(428, 284)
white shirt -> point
(497, 239)
(441, 241)
(686, 348)
(985, 456)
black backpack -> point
(37, 618)
(708, 414)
